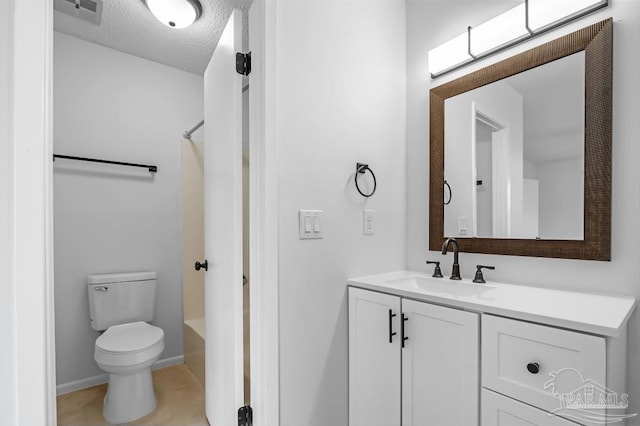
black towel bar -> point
(152, 169)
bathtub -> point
(194, 347)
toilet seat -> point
(129, 344)
(129, 338)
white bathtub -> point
(194, 347)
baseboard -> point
(82, 384)
(104, 378)
(168, 362)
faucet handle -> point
(437, 273)
(479, 278)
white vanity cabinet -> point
(429, 351)
(491, 354)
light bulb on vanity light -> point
(499, 31)
(175, 13)
(452, 53)
(546, 13)
(530, 18)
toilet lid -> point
(132, 337)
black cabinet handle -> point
(204, 265)
(391, 332)
(533, 367)
(403, 338)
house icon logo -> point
(589, 402)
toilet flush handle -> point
(101, 288)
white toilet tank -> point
(121, 298)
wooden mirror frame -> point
(597, 43)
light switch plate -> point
(368, 224)
(310, 224)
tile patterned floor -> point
(180, 402)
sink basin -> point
(440, 286)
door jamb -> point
(264, 332)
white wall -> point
(430, 23)
(111, 105)
(561, 186)
(340, 100)
(7, 298)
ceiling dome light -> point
(175, 13)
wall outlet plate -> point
(368, 223)
(463, 225)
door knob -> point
(204, 265)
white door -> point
(223, 228)
(440, 372)
(374, 358)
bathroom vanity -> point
(427, 351)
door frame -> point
(31, 207)
(263, 219)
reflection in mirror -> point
(514, 155)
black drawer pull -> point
(533, 367)
(391, 332)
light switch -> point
(368, 227)
(310, 224)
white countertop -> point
(591, 313)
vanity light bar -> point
(525, 21)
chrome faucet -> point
(455, 270)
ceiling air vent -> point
(87, 10)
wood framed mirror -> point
(594, 240)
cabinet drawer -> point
(498, 410)
(537, 364)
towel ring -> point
(450, 192)
(361, 169)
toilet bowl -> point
(127, 352)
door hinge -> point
(245, 416)
(243, 63)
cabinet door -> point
(374, 359)
(498, 410)
(440, 372)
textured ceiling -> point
(128, 26)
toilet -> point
(122, 305)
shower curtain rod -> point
(187, 134)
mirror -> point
(521, 152)
(514, 155)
